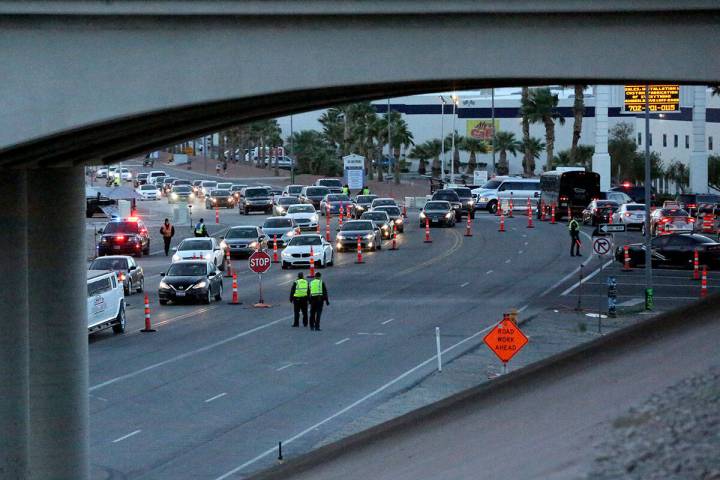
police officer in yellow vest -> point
(366, 190)
(574, 229)
(346, 190)
(318, 295)
(299, 299)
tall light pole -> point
(442, 137)
(388, 125)
(452, 150)
(492, 109)
(648, 187)
(292, 153)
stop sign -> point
(259, 262)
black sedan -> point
(382, 220)
(193, 280)
(599, 211)
(219, 198)
(395, 215)
(128, 272)
(439, 213)
(675, 250)
(365, 230)
(362, 204)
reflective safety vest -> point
(200, 228)
(573, 225)
(366, 191)
(301, 288)
(346, 190)
(316, 288)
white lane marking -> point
(387, 321)
(655, 285)
(464, 284)
(186, 355)
(523, 308)
(507, 261)
(369, 333)
(124, 437)
(342, 341)
(488, 272)
(220, 395)
(185, 315)
(566, 277)
(288, 282)
(284, 367)
(520, 252)
(370, 395)
(588, 277)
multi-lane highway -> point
(213, 391)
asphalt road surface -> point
(212, 392)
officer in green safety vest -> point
(346, 190)
(201, 229)
(318, 295)
(366, 190)
(574, 229)
(299, 298)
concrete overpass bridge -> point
(94, 81)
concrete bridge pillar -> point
(14, 398)
(601, 158)
(699, 153)
(57, 318)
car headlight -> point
(340, 236)
(399, 221)
(174, 195)
(164, 286)
(422, 215)
(369, 236)
(484, 199)
(285, 254)
(385, 227)
(360, 207)
(314, 218)
(471, 202)
(253, 245)
(200, 284)
(230, 199)
(214, 200)
(176, 258)
(280, 209)
(449, 215)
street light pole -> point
(452, 150)
(442, 137)
(492, 110)
(292, 153)
(648, 182)
(388, 125)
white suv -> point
(105, 301)
(501, 189)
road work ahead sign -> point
(505, 339)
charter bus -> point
(575, 189)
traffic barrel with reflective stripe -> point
(468, 227)
(502, 223)
(394, 238)
(703, 283)
(552, 214)
(626, 259)
(696, 265)
(312, 263)
(228, 263)
(235, 300)
(327, 232)
(217, 215)
(275, 249)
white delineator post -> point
(699, 154)
(439, 351)
(601, 157)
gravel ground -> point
(675, 434)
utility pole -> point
(442, 138)
(389, 146)
(452, 150)
(292, 153)
(492, 110)
(648, 181)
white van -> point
(154, 175)
(501, 189)
(105, 301)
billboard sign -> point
(481, 129)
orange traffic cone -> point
(542, 211)
(626, 259)
(340, 218)
(317, 228)
(349, 212)
(148, 325)
(275, 250)
(312, 263)
(552, 214)
(217, 215)
(510, 208)
(228, 264)
(235, 300)
(394, 238)
(327, 232)
(427, 231)
(696, 265)
(359, 252)
(468, 227)
(703, 283)
(502, 223)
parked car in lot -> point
(599, 211)
(219, 199)
(206, 248)
(181, 193)
(304, 216)
(676, 250)
(191, 280)
(243, 240)
(129, 273)
(281, 204)
(631, 214)
(335, 201)
(282, 228)
(256, 199)
(313, 195)
(297, 252)
(148, 192)
(365, 230)
(363, 204)
(670, 220)
(438, 212)
(125, 236)
(105, 302)
(395, 215)
(382, 220)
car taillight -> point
(690, 220)
(627, 214)
(665, 220)
(563, 197)
(121, 277)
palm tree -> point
(400, 137)
(505, 143)
(679, 173)
(474, 146)
(525, 123)
(364, 135)
(266, 133)
(422, 153)
(313, 152)
(541, 107)
(578, 114)
(532, 149)
(583, 157)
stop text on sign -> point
(662, 98)
(259, 262)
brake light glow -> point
(563, 197)
(690, 220)
(133, 219)
(121, 277)
(627, 184)
(120, 238)
(665, 220)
